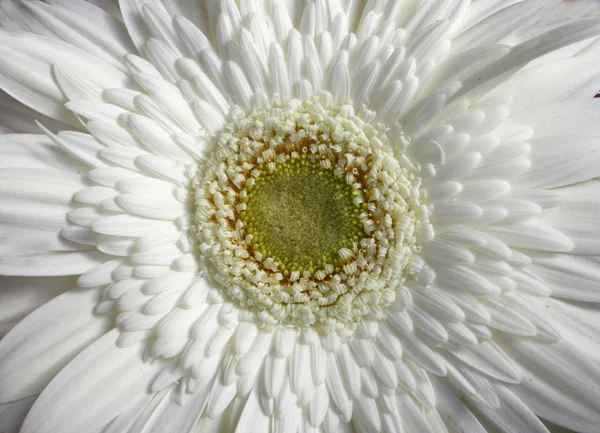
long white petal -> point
(44, 342)
(76, 399)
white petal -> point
(252, 418)
(497, 26)
(474, 385)
(12, 414)
(340, 82)
(46, 340)
(337, 390)
(350, 372)
(464, 278)
(110, 176)
(366, 415)
(451, 406)
(239, 83)
(133, 16)
(423, 356)
(506, 319)
(531, 235)
(428, 325)
(18, 118)
(194, 40)
(578, 324)
(111, 135)
(447, 252)
(221, 396)
(161, 167)
(148, 205)
(559, 383)
(251, 361)
(490, 359)
(412, 418)
(125, 225)
(513, 415)
(99, 275)
(51, 263)
(82, 147)
(440, 304)
(22, 295)
(576, 218)
(90, 108)
(458, 169)
(155, 138)
(160, 23)
(85, 26)
(527, 51)
(169, 281)
(571, 78)
(39, 90)
(255, 68)
(92, 389)
(549, 171)
(39, 186)
(569, 276)
(537, 312)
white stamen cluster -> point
(371, 268)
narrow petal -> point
(513, 415)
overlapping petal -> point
(501, 125)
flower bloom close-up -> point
(299, 216)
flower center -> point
(307, 216)
(302, 215)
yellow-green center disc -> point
(301, 215)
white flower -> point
(299, 216)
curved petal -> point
(26, 72)
(567, 79)
(452, 408)
(16, 118)
(93, 389)
(513, 415)
(35, 151)
(135, 19)
(569, 276)
(578, 322)
(45, 341)
(33, 208)
(560, 383)
(12, 414)
(576, 116)
(20, 296)
(85, 26)
(577, 217)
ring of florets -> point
(269, 175)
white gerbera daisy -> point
(299, 216)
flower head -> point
(292, 216)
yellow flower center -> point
(302, 215)
(308, 216)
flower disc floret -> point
(302, 215)
(307, 216)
